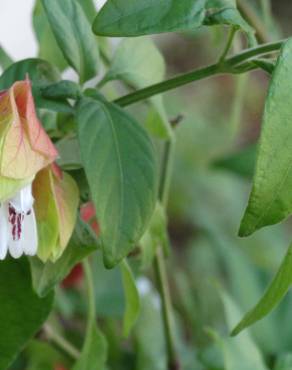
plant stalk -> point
(61, 342)
(160, 266)
(229, 66)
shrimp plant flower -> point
(25, 151)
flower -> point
(25, 149)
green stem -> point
(229, 66)
(61, 342)
(254, 20)
(160, 266)
(90, 293)
(231, 35)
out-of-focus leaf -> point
(132, 298)
(22, 311)
(46, 275)
(94, 353)
(271, 199)
(240, 353)
(69, 153)
(274, 294)
(241, 163)
(120, 165)
(139, 63)
(74, 38)
(5, 60)
(155, 236)
(62, 90)
(285, 362)
(48, 47)
(149, 338)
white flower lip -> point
(18, 229)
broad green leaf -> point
(120, 165)
(5, 60)
(73, 34)
(239, 353)
(41, 73)
(225, 12)
(139, 63)
(274, 294)
(48, 47)
(94, 352)
(155, 236)
(64, 89)
(22, 312)
(132, 298)
(271, 198)
(136, 18)
(88, 8)
(46, 275)
(140, 17)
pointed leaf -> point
(75, 38)
(5, 60)
(274, 294)
(22, 311)
(271, 198)
(132, 298)
(136, 18)
(120, 165)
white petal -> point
(29, 238)
(15, 248)
(4, 231)
(23, 200)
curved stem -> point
(228, 45)
(90, 293)
(214, 69)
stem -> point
(227, 67)
(160, 266)
(254, 20)
(61, 342)
(231, 35)
(90, 293)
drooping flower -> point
(56, 202)
(25, 149)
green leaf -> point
(155, 236)
(73, 34)
(225, 12)
(94, 352)
(140, 17)
(285, 362)
(132, 298)
(41, 73)
(5, 60)
(271, 198)
(274, 294)
(22, 311)
(120, 165)
(139, 63)
(64, 89)
(239, 353)
(46, 275)
(48, 47)
(136, 18)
